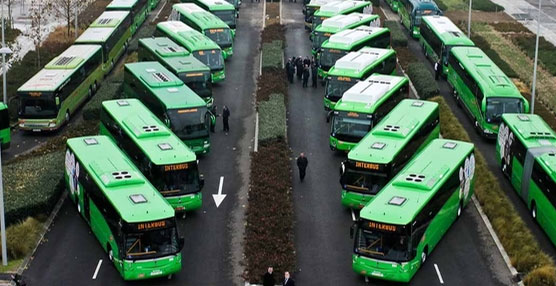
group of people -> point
(268, 278)
(225, 118)
(303, 68)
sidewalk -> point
(526, 12)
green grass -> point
(12, 266)
(546, 54)
(480, 5)
(272, 54)
(272, 118)
(519, 243)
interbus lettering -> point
(383, 226)
(151, 225)
(176, 167)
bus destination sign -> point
(151, 225)
(383, 226)
(369, 166)
(176, 167)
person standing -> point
(288, 281)
(302, 163)
(307, 61)
(291, 72)
(299, 66)
(225, 117)
(268, 277)
(305, 75)
(314, 75)
(289, 65)
(437, 70)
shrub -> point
(375, 3)
(272, 118)
(273, 80)
(481, 5)
(272, 54)
(510, 27)
(519, 243)
(35, 185)
(22, 237)
(269, 232)
(423, 80)
(487, 6)
(110, 89)
(493, 55)
(546, 50)
(398, 37)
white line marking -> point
(261, 63)
(353, 215)
(220, 185)
(256, 148)
(98, 268)
(438, 273)
(156, 17)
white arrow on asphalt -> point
(218, 198)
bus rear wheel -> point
(90, 92)
(534, 210)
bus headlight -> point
(206, 144)
(486, 131)
(405, 267)
(21, 124)
(52, 124)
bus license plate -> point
(36, 130)
(376, 273)
(156, 272)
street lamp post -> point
(469, 19)
(536, 59)
(76, 19)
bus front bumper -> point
(38, 125)
(355, 200)
(338, 145)
(218, 76)
(227, 52)
(199, 146)
(329, 104)
(137, 270)
(187, 202)
(322, 73)
(391, 271)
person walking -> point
(314, 75)
(288, 281)
(268, 277)
(305, 76)
(299, 66)
(302, 163)
(225, 117)
(437, 70)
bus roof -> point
(490, 78)
(401, 200)
(340, 22)
(356, 63)
(188, 37)
(166, 86)
(60, 68)
(107, 165)
(425, 4)
(174, 55)
(447, 31)
(318, 3)
(156, 140)
(364, 95)
(337, 7)
(95, 35)
(109, 19)
(534, 132)
(394, 131)
(121, 4)
(349, 37)
(217, 5)
(204, 19)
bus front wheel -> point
(424, 256)
(534, 210)
(110, 254)
(67, 117)
(459, 209)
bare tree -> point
(38, 11)
(66, 10)
(9, 6)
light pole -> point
(76, 19)
(4, 51)
(469, 19)
(536, 59)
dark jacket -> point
(226, 113)
(268, 279)
(314, 73)
(306, 74)
(289, 283)
(302, 162)
(307, 62)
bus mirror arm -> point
(352, 230)
(201, 181)
(328, 115)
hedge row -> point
(109, 89)
(487, 6)
(272, 54)
(32, 188)
(546, 50)
(423, 80)
(519, 243)
(397, 36)
(493, 55)
(272, 118)
(480, 5)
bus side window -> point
(544, 182)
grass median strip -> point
(522, 248)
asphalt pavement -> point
(70, 254)
(465, 256)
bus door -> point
(86, 205)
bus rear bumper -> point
(329, 104)
(187, 202)
(227, 52)
(383, 270)
(138, 270)
(38, 125)
(338, 145)
(218, 76)
(354, 200)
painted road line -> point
(353, 215)
(256, 148)
(218, 198)
(98, 268)
(438, 273)
(161, 8)
(261, 62)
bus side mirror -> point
(57, 100)
(352, 230)
(201, 181)
(328, 115)
(342, 168)
(181, 242)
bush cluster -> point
(22, 237)
(398, 37)
(546, 50)
(33, 185)
(521, 246)
(272, 118)
(493, 55)
(487, 6)
(110, 89)
(272, 80)
(480, 5)
(510, 27)
(423, 80)
(272, 54)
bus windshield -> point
(212, 58)
(423, 12)
(38, 107)
(335, 88)
(228, 16)
(318, 39)
(189, 123)
(222, 37)
(496, 106)
(174, 180)
(151, 244)
(329, 57)
(382, 245)
(349, 128)
(200, 83)
(363, 182)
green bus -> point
(340, 44)
(310, 9)
(180, 62)
(171, 101)
(354, 67)
(153, 4)
(5, 135)
(526, 152)
(483, 89)
(400, 227)
(438, 36)
(236, 3)
(207, 24)
(337, 8)
(384, 151)
(338, 23)
(411, 12)
(221, 9)
(393, 4)
(363, 106)
(202, 47)
(139, 10)
(161, 156)
(111, 30)
(50, 97)
(130, 219)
